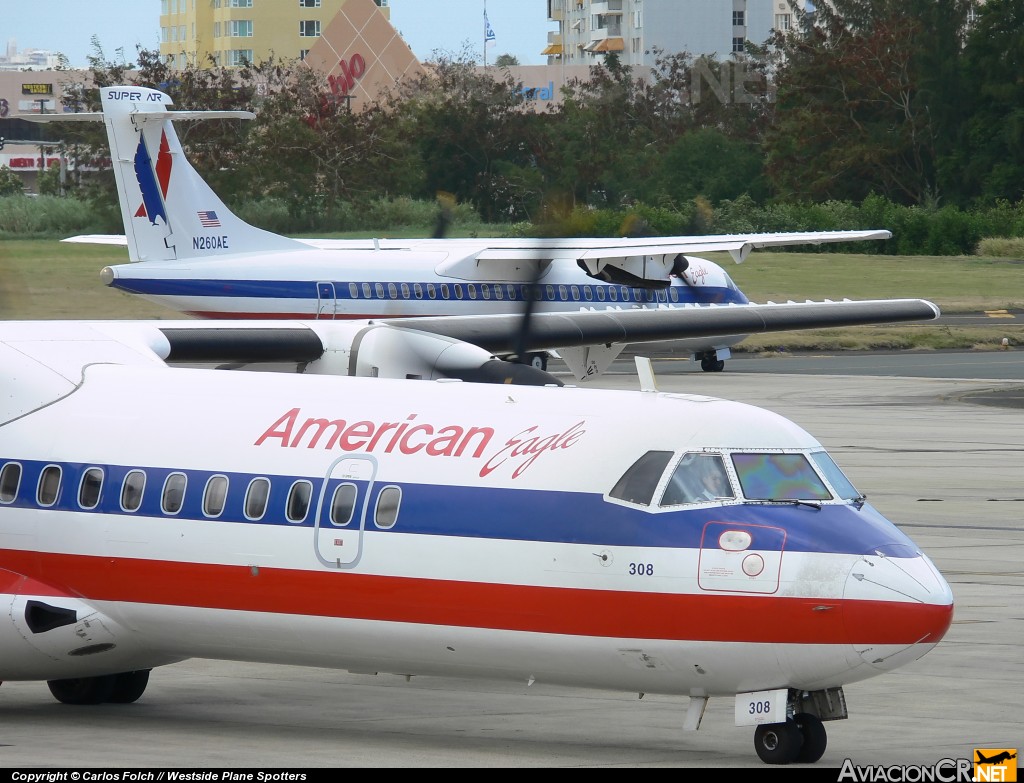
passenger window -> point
(10, 481)
(367, 292)
(778, 477)
(49, 485)
(173, 496)
(392, 291)
(298, 501)
(343, 504)
(353, 290)
(131, 490)
(256, 498)
(388, 501)
(215, 496)
(698, 478)
(89, 489)
(637, 484)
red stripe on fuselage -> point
(345, 594)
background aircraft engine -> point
(381, 351)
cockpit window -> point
(698, 478)
(637, 484)
(835, 476)
(778, 477)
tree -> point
(506, 60)
(989, 161)
(10, 183)
(865, 99)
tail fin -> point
(169, 212)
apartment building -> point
(233, 32)
(634, 29)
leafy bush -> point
(10, 183)
(46, 216)
(1002, 247)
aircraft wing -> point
(551, 331)
(469, 254)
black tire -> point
(815, 737)
(778, 743)
(711, 364)
(129, 686)
(83, 690)
(539, 361)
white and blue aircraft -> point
(334, 514)
(189, 252)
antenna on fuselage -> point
(645, 374)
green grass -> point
(47, 279)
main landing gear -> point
(123, 688)
(709, 362)
(801, 739)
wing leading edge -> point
(551, 331)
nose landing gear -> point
(800, 739)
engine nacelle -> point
(649, 272)
(382, 351)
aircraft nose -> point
(898, 606)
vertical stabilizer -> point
(169, 211)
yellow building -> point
(231, 32)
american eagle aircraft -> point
(156, 505)
(191, 253)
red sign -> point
(31, 163)
(351, 71)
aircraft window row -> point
(214, 500)
(512, 292)
(700, 477)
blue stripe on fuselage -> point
(293, 289)
(504, 514)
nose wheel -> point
(801, 739)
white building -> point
(635, 29)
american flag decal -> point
(209, 219)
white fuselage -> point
(484, 538)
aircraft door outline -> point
(326, 301)
(340, 547)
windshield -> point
(779, 477)
(698, 478)
(835, 476)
